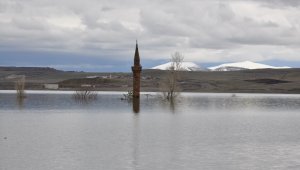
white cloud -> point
(205, 31)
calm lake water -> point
(52, 131)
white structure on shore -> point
(51, 86)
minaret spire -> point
(136, 70)
(137, 55)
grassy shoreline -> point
(283, 81)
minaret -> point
(136, 70)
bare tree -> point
(176, 61)
(169, 84)
(20, 87)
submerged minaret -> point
(136, 70)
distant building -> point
(51, 86)
(13, 76)
(104, 77)
(88, 85)
(92, 77)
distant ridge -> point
(14, 68)
(245, 65)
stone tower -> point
(136, 70)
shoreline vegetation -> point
(283, 81)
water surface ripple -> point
(52, 131)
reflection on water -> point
(136, 105)
(198, 131)
(173, 103)
(84, 101)
(135, 143)
(187, 101)
(20, 102)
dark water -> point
(52, 131)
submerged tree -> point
(85, 93)
(20, 87)
(169, 84)
(128, 96)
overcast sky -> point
(99, 35)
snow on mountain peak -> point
(243, 66)
(186, 66)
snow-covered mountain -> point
(243, 66)
(186, 66)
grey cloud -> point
(106, 8)
(163, 24)
(104, 27)
(29, 23)
(279, 3)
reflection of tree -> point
(83, 101)
(172, 105)
(20, 102)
